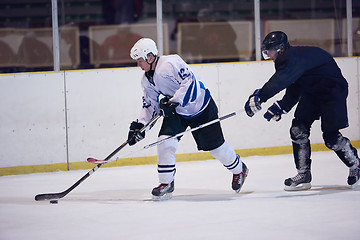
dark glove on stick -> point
(167, 108)
(135, 135)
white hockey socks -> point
(227, 156)
(166, 159)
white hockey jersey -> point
(175, 79)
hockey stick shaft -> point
(107, 159)
(153, 120)
(50, 196)
(191, 130)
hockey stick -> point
(192, 129)
(50, 196)
(96, 161)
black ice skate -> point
(239, 179)
(354, 176)
(298, 183)
(163, 191)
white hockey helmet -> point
(142, 48)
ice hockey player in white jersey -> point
(186, 103)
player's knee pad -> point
(167, 150)
(299, 132)
(224, 153)
(334, 140)
(227, 156)
(342, 147)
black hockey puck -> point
(54, 201)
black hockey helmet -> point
(275, 40)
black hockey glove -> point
(274, 112)
(253, 104)
(167, 108)
(135, 135)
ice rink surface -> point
(114, 203)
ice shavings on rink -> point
(114, 203)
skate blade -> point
(300, 187)
(246, 174)
(355, 184)
(164, 197)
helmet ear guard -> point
(265, 52)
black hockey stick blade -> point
(52, 196)
(49, 196)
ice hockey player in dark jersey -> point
(186, 103)
(315, 83)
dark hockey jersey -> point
(304, 70)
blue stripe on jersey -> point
(207, 96)
(188, 93)
(194, 93)
(205, 103)
(201, 85)
(145, 105)
(192, 89)
(206, 99)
